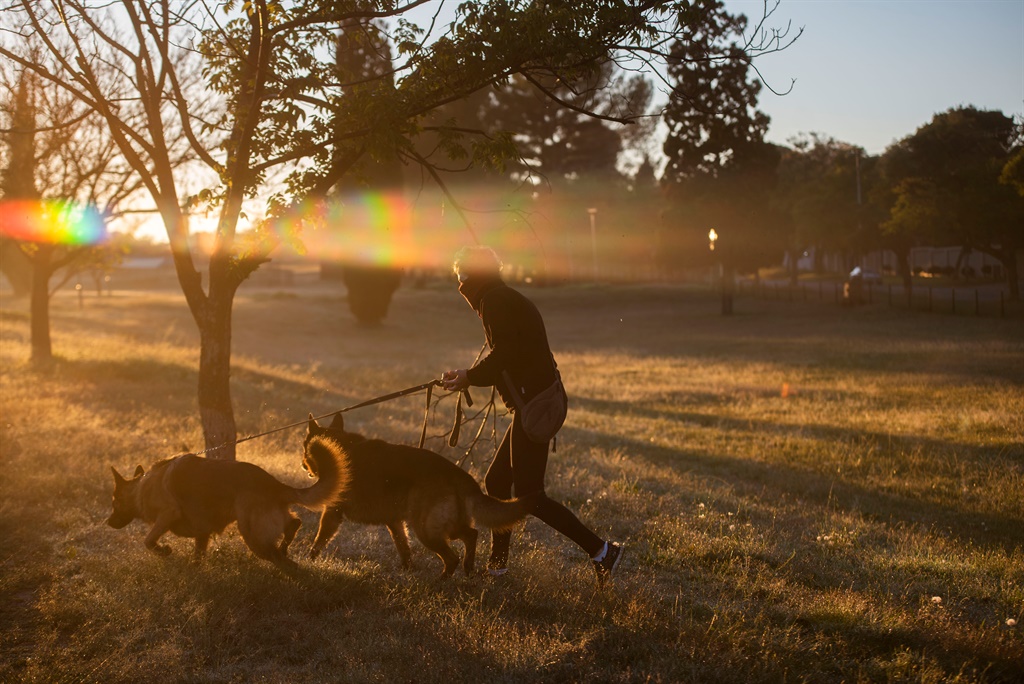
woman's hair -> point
(474, 262)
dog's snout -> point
(118, 520)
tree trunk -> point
(1007, 256)
(903, 268)
(17, 267)
(1012, 274)
(42, 350)
(215, 408)
(728, 280)
(819, 256)
(965, 252)
(212, 315)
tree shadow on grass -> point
(1005, 532)
(824, 570)
(669, 323)
(124, 614)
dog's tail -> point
(332, 469)
(499, 514)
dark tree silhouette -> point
(63, 168)
(720, 171)
(945, 181)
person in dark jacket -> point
(519, 354)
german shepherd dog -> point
(397, 485)
(197, 497)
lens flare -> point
(53, 221)
(417, 230)
(370, 229)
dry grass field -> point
(806, 494)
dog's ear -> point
(117, 476)
(139, 471)
(313, 427)
(338, 422)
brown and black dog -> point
(196, 497)
(397, 485)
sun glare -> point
(389, 229)
(535, 234)
(52, 222)
(372, 228)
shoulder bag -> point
(541, 417)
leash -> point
(428, 386)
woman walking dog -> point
(520, 365)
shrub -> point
(370, 289)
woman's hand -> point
(455, 380)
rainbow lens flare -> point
(372, 229)
(52, 221)
(407, 230)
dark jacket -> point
(517, 339)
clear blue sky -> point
(869, 72)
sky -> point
(871, 72)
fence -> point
(976, 301)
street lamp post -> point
(726, 286)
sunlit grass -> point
(796, 487)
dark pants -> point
(522, 462)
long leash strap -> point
(426, 418)
(369, 402)
(453, 439)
